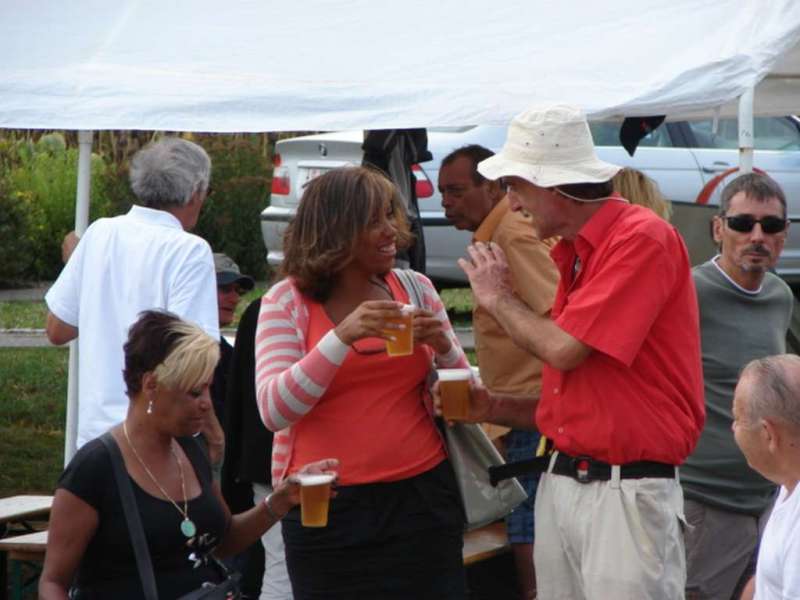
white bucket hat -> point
(549, 147)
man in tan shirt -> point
(479, 205)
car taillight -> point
(423, 185)
(281, 184)
(276, 160)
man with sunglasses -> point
(744, 315)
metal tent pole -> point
(81, 223)
(746, 132)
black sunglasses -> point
(745, 223)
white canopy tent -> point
(264, 65)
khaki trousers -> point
(609, 540)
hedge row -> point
(37, 198)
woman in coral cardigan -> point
(326, 386)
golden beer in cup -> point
(454, 393)
(403, 343)
(315, 494)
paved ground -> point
(33, 293)
(27, 338)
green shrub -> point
(240, 180)
(39, 178)
(42, 177)
(16, 249)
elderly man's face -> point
(545, 207)
(466, 203)
(750, 436)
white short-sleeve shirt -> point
(778, 570)
(122, 266)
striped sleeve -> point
(289, 381)
(455, 357)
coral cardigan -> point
(290, 381)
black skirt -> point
(401, 539)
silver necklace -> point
(188, 527)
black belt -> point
(582, 468)
(585, 469)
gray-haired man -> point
(123, 265)
(766, 426)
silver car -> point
(681, 157)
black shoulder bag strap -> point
(138, 540)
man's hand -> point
(480, 403)
(488, 273)
(68, 245)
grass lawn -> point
(22, 315)
(459, 306)
(32, 415)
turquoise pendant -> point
(188, 528)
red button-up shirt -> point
(639, 394)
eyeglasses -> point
(745, 223)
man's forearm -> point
(517, 412)
(538, 334)
(523, 325)
(59, 332)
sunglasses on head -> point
(745, 223)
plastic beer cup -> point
(454, 393)
(315, 493)
(403, 344)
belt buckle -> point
(580, 465)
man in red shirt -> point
(622, 393)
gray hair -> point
(168, 172)
(754, 185)
(776, 394)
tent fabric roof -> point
(264, 65)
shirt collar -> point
(594, 230)
(756, 292)
(487, 227)
(592, 233)
(154, 216)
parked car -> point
(681, 157)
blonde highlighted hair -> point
(191, 361)
(180, 354)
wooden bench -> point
(18, 509)
(485, 543)
(15, 512)
(28, 548)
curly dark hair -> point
(337, 207)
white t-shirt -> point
(122, 266)
(778, 570)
